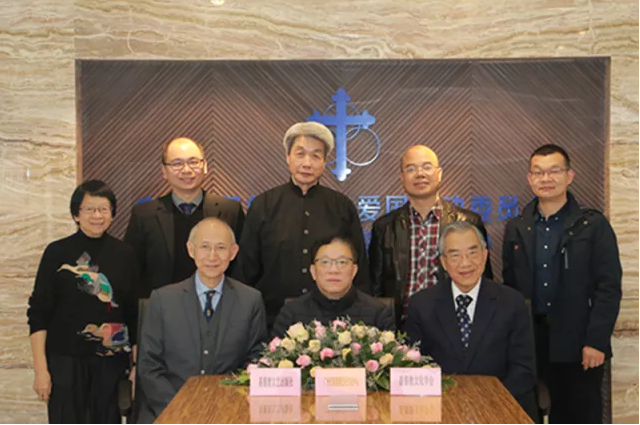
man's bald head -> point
(212, 224)
(181, 142)
(212, 246)
(418, 151)
(420, 173)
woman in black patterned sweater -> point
(83, 314)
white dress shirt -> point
(471, 308)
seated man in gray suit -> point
(206, 324)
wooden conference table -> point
(474, 399)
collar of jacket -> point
(335, 305)
(574, 211)
(298, 192)
(447, 212)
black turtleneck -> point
(83, 295)
(355, 304)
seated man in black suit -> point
(471, 325)
(333, 269)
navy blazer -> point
(501, 343)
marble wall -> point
(39, 41)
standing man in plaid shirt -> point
(403, 254)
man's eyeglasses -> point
(427, 168)
(326, 263)
(554, 172)
(456, 257)
(178, 164)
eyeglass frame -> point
(92, 210)
(554, 172)
(476, 252)
(173, 167)
(332, 261)
(432, 169)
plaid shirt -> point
(423, 272)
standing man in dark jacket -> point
(564, 258)
(403, 254)
(333, 268)
(285, 222)
(158, 230)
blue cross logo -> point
(345, 128)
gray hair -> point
(211, 220)
(459, 227)
(309, 129)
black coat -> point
(390, 250)
(315, 306)
(501, 342)
(586, 299)
(151, 234)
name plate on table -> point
(416, 409)
(275, 382)
(416, 381)
(343, 408)
(274, 409)
(341, 381)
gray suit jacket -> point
(170, 351)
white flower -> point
(298, 332)
(387, 337)
(314, 345)
(344, 338)
(288, 344)
(358, 331)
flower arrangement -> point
(341, 344)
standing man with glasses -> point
(403, 254)
(565, 259)
(158, 230)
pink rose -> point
(251, 367)
(319, 330)
(402, 348)
(355, 348)
(274, 344)
(376, 347)
(336, 323)
(372, 366)
(265, 361)
(303, 361)
(413, 355)
(326, 353)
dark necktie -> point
(208, 305)
(464, 321)
(187, 208)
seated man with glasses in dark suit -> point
(471, 325)
(333, 270)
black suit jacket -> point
(390, 250)
(355, 304)
(501, 342)
(151, 234)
